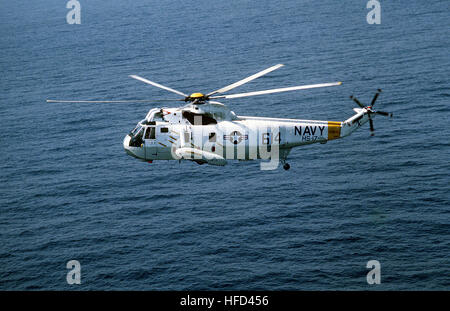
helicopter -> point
(205, 131)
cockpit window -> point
(194, 117)
(136, 129)
(136, 138)
(150, 133)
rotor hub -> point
(196, 95)
(198, 98)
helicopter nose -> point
(126, 144)
(132, 151)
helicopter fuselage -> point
(206, 131)
(211, 133)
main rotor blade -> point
(112, 101)
(248, 79)
(158, 85)
(286, 89)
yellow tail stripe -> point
(334, 130)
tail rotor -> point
(370, 110)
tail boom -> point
(355, 122)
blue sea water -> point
(69, 191)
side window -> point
(164, 130)
(212, 137)
(150, 133)
(206, 119)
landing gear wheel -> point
(286, 166)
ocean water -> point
(68, 191)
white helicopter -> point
(207, 131)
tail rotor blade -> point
(375, 98)
(372, 129)
(357, 101)
(386, 114)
